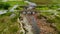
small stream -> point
(34, 25)
(32, 21)
(3, 11)
(11, 10)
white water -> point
(31, 5)
(11, 10)
(27, 26)
(3, 11)
(14, 7)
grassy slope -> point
(8, 25)
(16, 2)
(52, 18)
(12, 27)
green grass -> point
(10, 25)
(7, 26)
(52, 18)
(16, 2)
(10, 4)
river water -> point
(33, 23)
(11, 10)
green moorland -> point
(52, 14)
(8, 20)
(9, 25)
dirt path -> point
(37, 26)
(44, 27)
